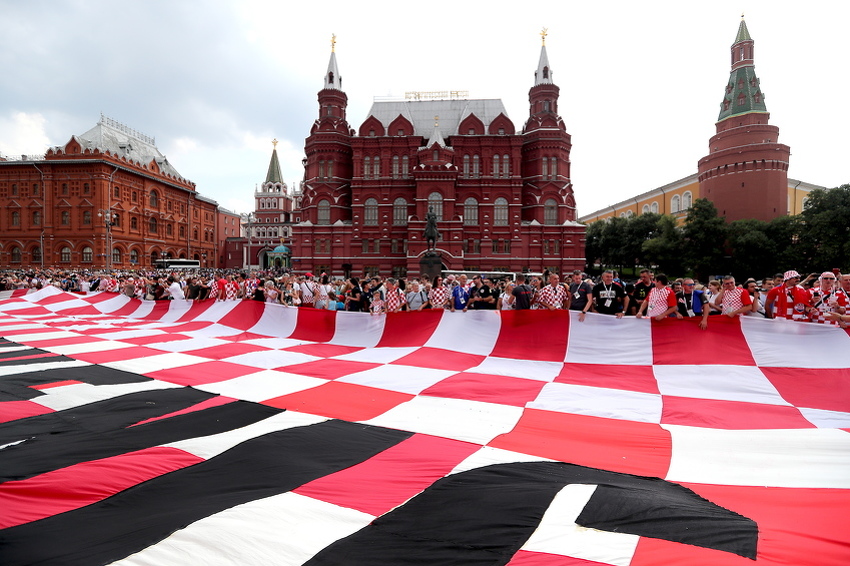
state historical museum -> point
(503, 198)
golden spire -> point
(742, 15)
(436, 121)
(274, 143)
(333, 42)
(543, 35)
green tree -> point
(704, 239)
(664, 248)
(825, 230)
(753, 252)
(637, 231)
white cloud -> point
(23, 133)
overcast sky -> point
(215, 81)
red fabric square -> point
(155, 339)
(226, 351)
(796, 526)
(609, 444)
(533, 335)
(188, 326)
(70, 340)
(244, 316)
(314, 325)
(14, 410)
(199, 374)
(683, 342)
(323, 350)
(827, 389)
(346, 401)
(409, 329)
(128, 309)
(628, 378)
(390, 478)
(437, 358)
(527, 558)
(118, 355)
(195, 310)
(328, 369)
(730, 415)
(160, 309)
(499, 389)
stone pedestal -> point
(430, 265)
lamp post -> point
(110, 219)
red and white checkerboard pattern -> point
(752, 414)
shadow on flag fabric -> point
(134, 432)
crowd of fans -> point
(816, 298)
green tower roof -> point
(274, 176)
(743, 94)
(743, 32)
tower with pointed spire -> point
(503, 199)
(745, 173)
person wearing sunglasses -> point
(827, 297)
(691, 302)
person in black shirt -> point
(523, 293)
(480, 295)
(608, 298)
(580, 291)
(643, 287)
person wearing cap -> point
(791, 300)
(580, 291)
(827, 297)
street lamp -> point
(110, 219)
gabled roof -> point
(451, 113)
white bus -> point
(177, 264)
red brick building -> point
(503, 198)
(745, 173)
(106, 199)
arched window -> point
(645, 209)
(470, 212)
(495, 165)
(324, 208)
(435, 203)
(376, 167)
(330, 171)
(116, 255)
(154, 200)
(506, 166)
(66, 218)
(370, 212)
(195, 234)
(553, 168)
(168, 230)
(87, 217)
(674, 203)
(16, 218)
(476, 164)
(405, 163)
(134, 223)
(36, 255)
(16, 254)
(629, 214)
(367, 167)
(87, 254)
(466, 166)
(14, 189)
(550, 212)
(545, 168)
(321, 169)
(152, 225)
(400, 212)
(500, 212)
(653, 208)
(395, 166)
(134, 256)
(65, 255)
(687, 200)
(36, 218)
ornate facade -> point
(106, 199)
(503, 198)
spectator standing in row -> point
(523, 294)
(307, 290)
(438, 296)
(460, 295)
(643, 287)
(732, 300)
(607, 297)
(660, 302)
(394, 298)
(790, 299)
(581, 292)
(827, 297)
(554, 295)
(481, 296)
(416, 298)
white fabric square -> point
(74, 395)
(111, 305)
(187, 345)
(470, 421)
(283, 529)
(790, 344)
(810, 458)
(130, 333)
(724, 383)
(263, 385)
(274, 343)
(214, 330)
(358, 329)
(22, 335)
(826, 419)
(453, 332)
(404, 379)
(559, 534)
(599, 402)
(28, 368)
(270, 359)
(605, 339)
(216, 312)
(376, 355)
(148, 364)
(88, 347)
(526, 369)
(277, 320)
(488, 456)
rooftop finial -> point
(543, 35)
(436, 121)
(333, 43)
(742, 15)
(274, 143)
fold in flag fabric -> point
(136, 433)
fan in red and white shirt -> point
(553, 296)
(394, 296)
(792, 301)
(733, 300)
(661, 301)
(439, 294)
(229, 291)
(827, 297)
